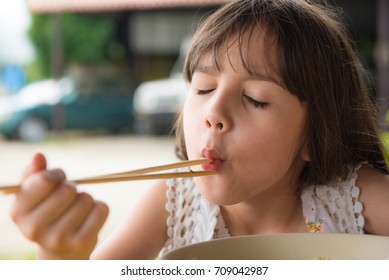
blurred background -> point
(96, 85)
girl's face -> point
(249, 125)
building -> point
(167, 22)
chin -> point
(214, 192)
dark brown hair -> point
(317, 63)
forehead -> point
(253, 52)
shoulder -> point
(374, 187)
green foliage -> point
(85, 38)
(385, 139)
(39, 34)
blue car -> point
(68, 104)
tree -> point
(86, 38)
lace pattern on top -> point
(193, 219)
(334, 208)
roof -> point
(50, 6)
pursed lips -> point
(215, 164)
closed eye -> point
(204, 91)
(256, 103)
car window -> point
(96, 88)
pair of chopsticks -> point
(139, 174)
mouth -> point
(216, 162)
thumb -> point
(37, 163)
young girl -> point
(278, 103)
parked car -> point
(157, 103)
(67, 104)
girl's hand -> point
(51, 212)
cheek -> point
(189, 117)
(287, 135)
(278, 137)
(190, 125)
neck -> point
(265, 213)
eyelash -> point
(255, 103)
(204, 91)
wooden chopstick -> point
(139, 174)
(155, 168)
(143, 177)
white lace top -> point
(326, 208)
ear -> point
(305, 153)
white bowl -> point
(287, 246)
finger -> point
(45, 215)
(67, 235)
(35, 189)
(37, 163)
(76, 214)
(66, 226)
(88, 232)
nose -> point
(217, 125)
(218, 116)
